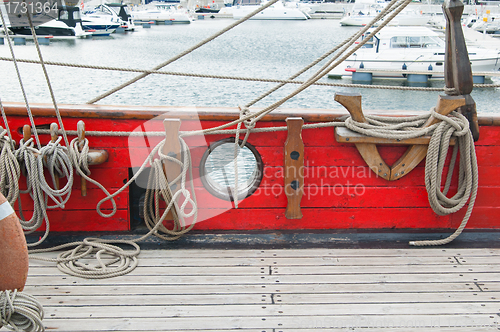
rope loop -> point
(10, 171)
(79, 150)
(20, 312)
(158, 186)
(55, 158)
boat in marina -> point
(277, 11)
(125, 172)
(160, 12)
(364, 11)
(394, 51)
(99, 25)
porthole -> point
(217, 169)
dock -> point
(281, 290)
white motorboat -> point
(413, 49)
(99, 25)
(277, 11)
(364, 11)
(68, 25)
(162, 12)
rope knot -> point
(249, 123)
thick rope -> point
(455, 125)
(20, 312)
(10, 171)
(239, 78)
(67, 261)
(55, 158)
(467, 176)
(27, 158)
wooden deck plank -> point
(188, 289)
(267, 279)
(284, 322)
(287, 270)
(279, 310)
(296, 298)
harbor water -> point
(256, 49)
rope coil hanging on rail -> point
(455, 125)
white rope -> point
(20, 312)
(26, 155)
(55, 158)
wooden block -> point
(294, 167)
(172, 147)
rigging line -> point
(237, 78)
(4, 116)
(326, 68)
(312, 64)
(189, 50)
(323, 71)
(51, 91)
(30, 115)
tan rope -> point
(67, 261)
(454, 125)
(238, 78)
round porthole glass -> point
(217, 170)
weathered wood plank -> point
(244, 310)
(286, 270)
(292, 261)
(262, 289)
(266, 279)
(284, 322)
(277, 298)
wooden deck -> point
(427, 289)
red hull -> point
(341, 192)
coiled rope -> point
(67, 262)
(20, 312)
(455, 125)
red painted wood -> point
(322, 218)
(329, 168)
(86, 220)
(77, 202)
